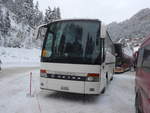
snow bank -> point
(128, 51)
(11, 57)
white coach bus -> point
(77, 56)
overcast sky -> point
(105, 10)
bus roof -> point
(76, 19)
(103, 28)
(59, 20)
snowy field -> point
(14, 90)
(11, 57)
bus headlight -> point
(43, 73)
(93, 77)
(90, 78)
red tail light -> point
(43, 71)
(93, 75)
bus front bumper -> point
(79, 87)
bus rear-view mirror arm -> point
(37, 30)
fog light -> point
(90, 78)
(43, 75)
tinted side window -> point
(140, 58)
(146, 59)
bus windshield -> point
(74, 41)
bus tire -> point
(138, 108)
(103, 91)
(111, 78)
(107, 79)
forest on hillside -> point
(19, 19)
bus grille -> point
(66, 77)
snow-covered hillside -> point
(11, 57)
(138, 26)
(17, 31)
(18, 35)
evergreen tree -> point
(19, 10)
(58, 13)
(1, 21)
(37, 6)
(54, 14)
(51, 15)
(7, 23)
(48, 14)
(26, 15)
(9, 4)
(25, 11)
(38, 15)
(28, 11)
(1, 28)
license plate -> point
(64, 88)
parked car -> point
(142, 80)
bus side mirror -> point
(39, 31)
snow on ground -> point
(11, 57)
(13, 90)
(118, 98)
